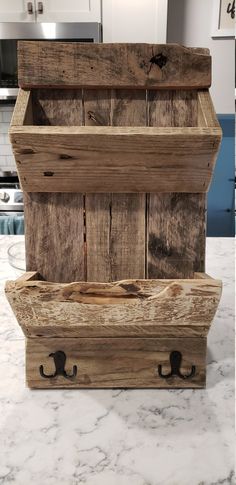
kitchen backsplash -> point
(7, 161)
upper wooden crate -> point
(114, 118)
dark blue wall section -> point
(220, 204)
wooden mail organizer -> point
(115, 146)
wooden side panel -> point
(112, 65)
(206, 110)
(22, 114)
(109, 363)
(54, 235)
(175, 222)
(115, 223)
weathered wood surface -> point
(23, 114)
(54, 235)
(172, 108)
(115, 236)
(112, 65)
(115, 159)
(206, 110)
(175, 222)
(122, 362)
(57, 107)
(125, 308)
(166, 150)
(115, 221)
(176, 232)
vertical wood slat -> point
(115, 223)
(54, 222)
(54, 235)
(175, 222)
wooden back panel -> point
(114, 236)
(107, 237)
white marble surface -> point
(120, 437)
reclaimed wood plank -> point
(115, 159)
(124, 308)
(54, 235)
(176, 226)
(57, 107)
(114, 221)
(206, 110)
(112, 65)
(23, 114)
(110, 363)
(176, 235)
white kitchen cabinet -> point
(17, 11)
(50, 11)
(68, 10)
(135, 21)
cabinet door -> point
(135, 21)
(17, 11)
(68, 10)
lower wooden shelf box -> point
(130, 333)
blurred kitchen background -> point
(193, 23)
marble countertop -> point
(120, 437)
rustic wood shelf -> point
(115, 146)
(173, 148)
(141, 321)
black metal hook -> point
(175, 364)
(59, 360)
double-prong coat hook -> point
(60, 361)
(175, 364)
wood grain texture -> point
(127, 308)
(172, 108)
(176, 223)
(54, 235)
(23, 114)
(115, 236)
(206, 110)
(97, 107)
(176, 232)
(115, 221)
(115, 159)
(57, 107)
(112, 65)
(122, 362)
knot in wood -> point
(159, 59)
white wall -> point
(190, 24)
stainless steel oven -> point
(11, 32)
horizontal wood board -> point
(126, 308)
(132, 142)
(56, 64)
(115, 363)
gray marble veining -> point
(120, 437)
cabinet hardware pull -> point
(59, 358)
(30, 9)
(40, 7)
(175, 364)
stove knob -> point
(4, 197)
